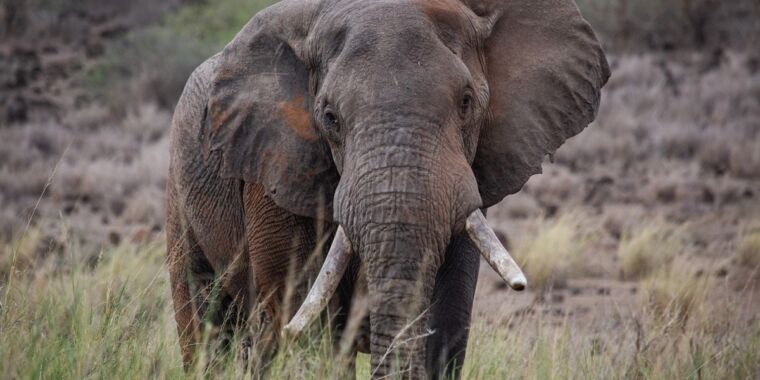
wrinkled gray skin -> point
(394, 119)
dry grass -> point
(675, 293)
(112, 318)
(553, 253)
(674, 129)
(636, 348)
(21, 254)
(650, 249)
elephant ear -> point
(258, 115)
(545, 70)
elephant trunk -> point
(404, 189)
(401, 250)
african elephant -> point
(388, 124)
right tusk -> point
(492, 250)
(324, 286)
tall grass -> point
(109, 320)
(112, 318)
(710, 347)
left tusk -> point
(493, 252)
(324, 286)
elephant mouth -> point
(340, 253)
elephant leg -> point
(207, 251)
(198, 299)
(349, 317)
(280, 248)
(452, 308)
(182, 250)
(185, 309)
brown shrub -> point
(673, 24)
(105, 167)
(745, 159)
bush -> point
(152, 64)
(149, 65)
(672, 24)
(112, 317)
(215, 23)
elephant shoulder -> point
(191, 106)
(190, 111)
(187, 164)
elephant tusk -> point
(327, 281)
(492, 250)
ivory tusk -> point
(324, 286)
(493, 252)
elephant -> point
(385, 128)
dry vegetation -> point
(89, 319)
(641, 241)
(675, 294)
(648, 250)
(553, 252)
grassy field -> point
(111, 317)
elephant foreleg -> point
(180, 247)
(452, 308)
(201, 296)
(185, 311)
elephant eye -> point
(329, 118)
(466, 105)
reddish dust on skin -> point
(296, 117)
(221, 118)
(221, 115)
(227, 74)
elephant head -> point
(399, 120)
